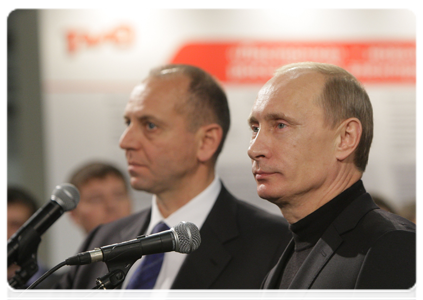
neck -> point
(171, 200)
(296, 209)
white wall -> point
(84, 92)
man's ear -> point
(209, 140)
(349, 137)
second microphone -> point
(183, 238)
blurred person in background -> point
(104, 195)
(21, 205)
(409, 211)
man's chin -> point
(267, 194)
(141, 186)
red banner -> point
(255, 62)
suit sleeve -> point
(390, 263)
(66, 281)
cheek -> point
(317, 155)
(298, 157)
(94, 218)
(180, 151)
(90, 212)
(291, 152)
(323, 145)
(123, 207)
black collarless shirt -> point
(307, 231)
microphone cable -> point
(46, 274)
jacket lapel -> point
(204, 265)
(128, 233)
(272, 280)
(330, 241)
(133, 230)
(316, 260)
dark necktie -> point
(145, 276)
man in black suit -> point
(312, 127)
(177, 120)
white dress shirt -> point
(195, 211)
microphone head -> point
(188, 237)
(66, 195)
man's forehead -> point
(270, 93)
(156, 95)
(172, 83)
(291, 83)
(142, 88)
(298, 77)
(294, 90)
(138, 89)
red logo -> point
(120, 36)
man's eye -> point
(255, 128)
(281, 125)
(151, 125)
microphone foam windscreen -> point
(188, 236)
(66, 195)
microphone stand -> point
(111, 280)
(118, 269)
(27, 270)
(24, 254)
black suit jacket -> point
(239, 245)
(364, 248)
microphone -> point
(183, 238)
(23, 244)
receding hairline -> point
(184, 73)
(293, 72)
(325, 69)
(163, 72)
(168, 74)
(182, 87)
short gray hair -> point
(207, 102)
(342, 97)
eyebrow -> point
(272, 117)
(251, 120)
(143, 118)
(277, 116)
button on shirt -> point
(195, 211)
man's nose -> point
(127, 139)
(259, 147)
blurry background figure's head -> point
(21, 205)
(104, 195)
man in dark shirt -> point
(312, 127)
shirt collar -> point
(194, 211)
(307, 231)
